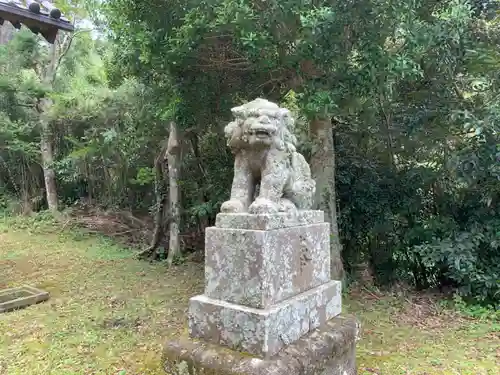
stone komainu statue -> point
(262, 140)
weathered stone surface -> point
(260, 268)
(20, 297)
(262, 140)
(328, 350)
(263, 332)
(269, 221)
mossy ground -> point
(110, 314)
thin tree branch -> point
(65, 50)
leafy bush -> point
(476, 311)
(470, 260)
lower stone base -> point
(263, 332)
(328, 350)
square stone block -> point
(263, 332)
(328, 350)
(258, 268)
(269, 221)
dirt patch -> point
(123, 226)
(426, 310)
(128, 229)
(407, 307)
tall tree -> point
(323, 171)
(46, 139)
(174, 163)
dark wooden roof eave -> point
(23, 15)
(46, 25)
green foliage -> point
(469, 259)
(476, 311)
(36, 223)
(6, 203)
(145, 176)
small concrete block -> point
(263, 332)
(259, 268)
(268, 221)
(328, 350)
(17, 298)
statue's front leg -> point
(273, 179)
(242, 188)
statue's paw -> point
(232, 206)
(263, 206)
(286, 205)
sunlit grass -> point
(110, 314)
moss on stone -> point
(194, 353)
(236, 353)
(330, 345)
(222, 349)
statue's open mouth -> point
(263, 131)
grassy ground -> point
(109, 314)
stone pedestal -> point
(328, 350)
(268, 294)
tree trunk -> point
(323, 172)
(49, 174)
(202, 175)
(162, 215)
(386, 130)
(46, 149)
(173, 159)
(6, 33)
